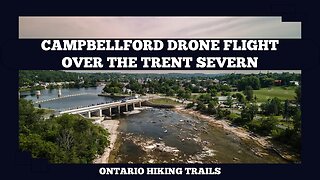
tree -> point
(248, 113)
(267, 125)
(213, 92)
(297, 121)
(201, 107)
(189, 105)
(205, 98)
(267, 82)
(211, 107)
(222, 113)
(64, 139)
(183, 94)
(286, 110)
(272, 107)
(29, 117)
(248, 92)
(263, 126)
(170, 92)
(298, 95)
(229, 101)
(225, 93)
(240, 97)
(134, 85)
(252, 81)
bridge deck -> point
(102, 106)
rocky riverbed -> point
(165, 136)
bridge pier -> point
(119, 109)
(106, 109)
(100, 112)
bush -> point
(233, 116)
(288, 136)
(222, 113)
(224, 93)
(64, 139)
(201, 107)
(211, 110)
(263, 126)
(240, 121)
(189, 105)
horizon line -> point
(149, 71)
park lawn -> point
(165, 101)
(282, 93)
(194, 96)
(46, 113)
(287, 123)
(45, 110)
(122, 94)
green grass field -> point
(282, 93)
(194, 96)
(164, 101)
(264, 94)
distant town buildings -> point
(45, 85)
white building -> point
(295, 83)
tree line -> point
(261, 119)
(64, 139)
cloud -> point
(149, 71)
(157, 27)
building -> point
(277, 82)
(294, 83)
(216, 81)
(222, 99)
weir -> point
(61, 97)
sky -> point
(260, 27)
(157, 27)
(146, 71)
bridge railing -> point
(99, 105)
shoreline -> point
(114, 96)
(238, 131)
(112, 127)
(244, 134)
(241, 133)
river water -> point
(71, 102)
(164, 136)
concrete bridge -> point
(107, 109)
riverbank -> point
(117, 95)
(242, 133)
(112, 127)
(158, 105)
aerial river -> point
(90, 97)
(163, 135)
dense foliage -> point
(32, 77)
(181, 85)
(278, 116)
(64, 139)
(280, 119)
